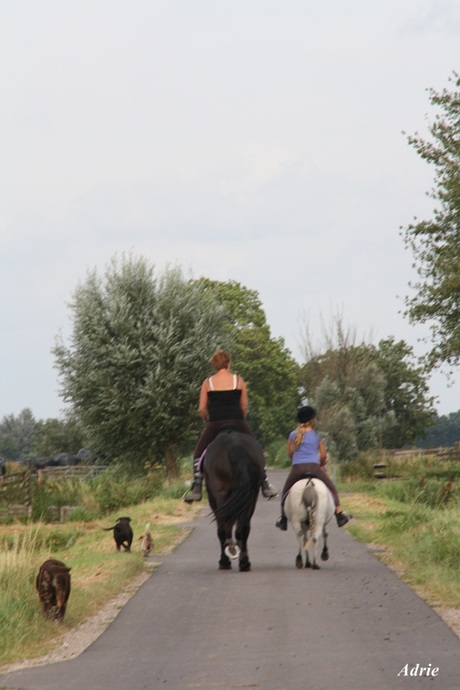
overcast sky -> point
(250, 140)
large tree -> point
(139, 349)
(264, 362)
(435, 243)
(406, 392)
(367, 396)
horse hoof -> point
(298, 562)
(315, 566)
(225, 564)
(325, 555)
(245, 567)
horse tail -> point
(310, 501)
(245, 488)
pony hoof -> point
(315, 566)
(225, 565)
(325, 555)
(298, 562)
(244, 566)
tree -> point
(343, 382)
(264, 362)
(406, 392)
(139, 349)
(443, 433)
(53, 436)
(435, 243)
(17, 434)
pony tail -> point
(299, 434)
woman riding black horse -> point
(223, 403)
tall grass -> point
(98, 571)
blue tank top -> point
(308, 451)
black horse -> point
(233, 471)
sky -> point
(260, 141)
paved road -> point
(350, 626)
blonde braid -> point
(299, 434)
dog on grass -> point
(53, 587)
(146, 541)
(122, 533)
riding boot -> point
(281, 522)
(341, 518)
(268, 490)
(195, 491)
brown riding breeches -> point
(297, 472)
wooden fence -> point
(16, 489)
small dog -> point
(53, 587)
(122, 533)
(147, 542)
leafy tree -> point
(139, 349)
(53, 436)
(435, 243)
(264, 362)
(443, 433)
(16, 435)
(406, 392)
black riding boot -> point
(195, 491)
(268, 490)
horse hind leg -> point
(224, 561)
(242, 534)
(325, 551)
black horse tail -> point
(245, 489)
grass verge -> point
(99, 572)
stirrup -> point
(342, 519)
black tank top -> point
(224, 404)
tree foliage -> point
(406, 392)
(367, 396)
(17, 435)
(264, 362)
(139, 349)
(443, 433)
(54, 436)
(435, 243)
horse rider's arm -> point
(244, 397)
(322, 454)
(291, 448)
(203, 401)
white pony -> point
(309, 507)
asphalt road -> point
(350, 626)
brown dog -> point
(122, 533)
(147, 542)
(53, 587)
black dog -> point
(122, 533)
(53, 587)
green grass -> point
(420, 542)
(98, 571)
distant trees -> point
(139, 349)
(367, 396)
(444, 432)
(435, 243)
(17, 435)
